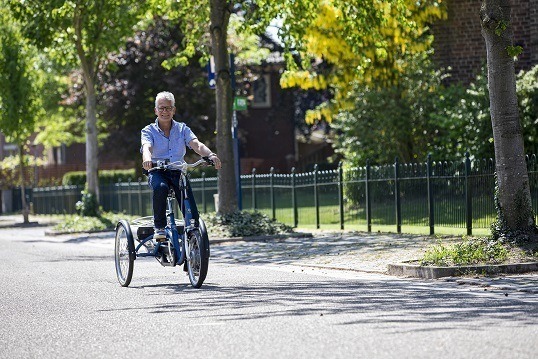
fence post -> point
(294, 198)
(254, 188)
(397, 198)
(272, 189)
(129, 193)
(468, 196)
(368, 199)
(204, 202)
(140, 208)
(341, 194)
(430, 194)
(316, 194)
(118, 186)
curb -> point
(261, 238)
(21, 224)
(52, 233)
(432, 272)
(216, 241)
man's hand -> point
(146, 157)
(147, 165)
(213, 157)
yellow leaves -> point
(359, 55)
(303, 79)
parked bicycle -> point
(186, 243)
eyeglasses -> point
(166, 108)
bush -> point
(88, 206)
(243, 224)
(76, 223)
(78, 178)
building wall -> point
(267, 130)
(459, 43)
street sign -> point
(240, 103)
(211, 73)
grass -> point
(478, 251)
(468, 252)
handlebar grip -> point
(208, 160)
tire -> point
(124, 253)
(197, 260)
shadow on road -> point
(387, 301)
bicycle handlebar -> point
(179, 165)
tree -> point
(82, 33)
(20, 102)
(296, 17)
(342, 55)
(130, 79)
(514, 206)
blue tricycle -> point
(186, 243)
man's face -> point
(165, 110)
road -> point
(60, 299)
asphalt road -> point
(60, 299)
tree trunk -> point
(25, 211)
(220, 15)
(92, 178)
(513, 192)
(87, 62)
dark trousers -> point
(161, 182)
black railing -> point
(432, 194)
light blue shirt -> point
(171, 148)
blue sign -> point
(211, 73)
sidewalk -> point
(359, 252)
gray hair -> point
(165, 95)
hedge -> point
(78, 178)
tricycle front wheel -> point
(197, 258)
(124, 253)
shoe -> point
(159, 235)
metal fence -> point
(456, 194)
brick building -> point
(459, 43)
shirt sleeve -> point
(188, 135)
(146, 138)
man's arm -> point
(204, 151)
(146, 156)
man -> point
(167, 140)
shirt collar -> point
(156, 123)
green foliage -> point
(88, 206)
(133, 76)
(409, 120)
(522, 233)
(421, 116)
(78, 178)
(244, 224)
(501, 27)
(20, 81)
(9, 168)
(81, 34)
(468, 252)
(514, 50)
(527, 91)
(77, 223)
